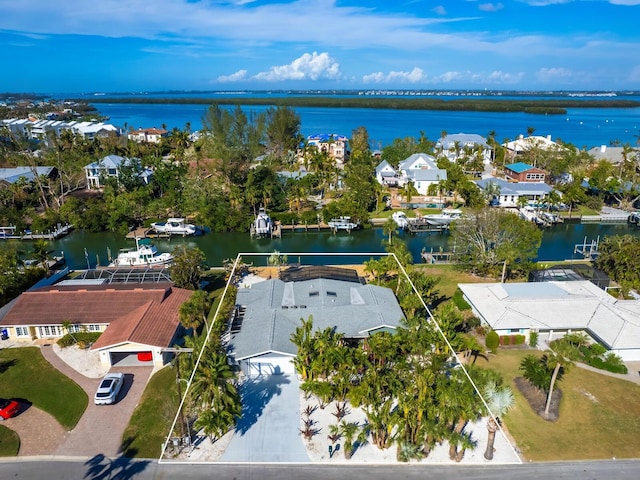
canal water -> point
(316, 247)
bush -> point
(81, 338)
(518, 339)
(596, 349)
(533, 339)
(492, 341)
(459, 301)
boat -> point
(144, 255)
(401, 219)
(262, 225)
(342, 223)
(443, 219)
(175, 226)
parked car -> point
(109, 388)
(8, 408)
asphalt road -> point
(101, 468)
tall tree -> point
(499, 400)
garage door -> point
(269, 365)
(131, 359)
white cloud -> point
(553, 74)
(234, 77)
(490, 7)
(414, 76)
(440, 10)
(312, 66)
(626, 3)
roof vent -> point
(331, 294)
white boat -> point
(342, 223)
(144, 255)
(262, 225)
(401, 219)
(443, 219)
(175, 226)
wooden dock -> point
(10, 233)
(416, 226)
(146, 232)
(438, 257)
(605, 219)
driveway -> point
(268, 430)
(100, 429)
(39, 432)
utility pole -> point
(177, 352)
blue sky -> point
(59, 46)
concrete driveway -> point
(268, 430)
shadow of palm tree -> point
(256, 394)
(100, 467)
(6, 364)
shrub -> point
(459, 301)
(536, 371)
(518, 339)
(492, 341)
(596, 349)
(533, 339)
(81, 338)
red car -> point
(8, 408)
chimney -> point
(521, 136)
(549, 137)
(603, 148)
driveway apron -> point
(269, 428)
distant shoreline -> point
(540, 107)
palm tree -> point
(389, 228)
(212, 384)
(351, 432)
(499, 400)
(562, 354)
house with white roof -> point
(110, 166)
(268, 313)
(554, 309)
(522, 145)
(464, 145)
(508, 194)
(35, 129)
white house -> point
(110, 166)
(507, 194)
(35, 129)
(555, 308)
(147, 135)
(419, 168)
(464, 145)
(268, 313)
(522, 145)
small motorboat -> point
(342, 223)
(443, 219)
(262, 225)
(401, 219)
(175, 226)
(144, 255)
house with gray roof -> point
(268, 313)
(29, 174)
(610, 154)
(554, 309)
(110, 166)
(507, 194)
(420, 169)
(464, 145)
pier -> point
(10, 233)
(605, 219)
(438, 257)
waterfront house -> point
(522, 172)
(335, 145)
(268, 313)
(36, 129)
(553, 309)
(523, 145)
(12, 175)
(508, 194)
(147, 135)
(110, 166)
(420, 169)
(464, 146)
(138, 318)
(612, 155)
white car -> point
(109, 388)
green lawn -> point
(25, 374)
(152, 418)
(599, 415)
(450, 276)
(9, 442)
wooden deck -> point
(9, 233)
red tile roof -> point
(140, 313)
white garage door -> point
(269, 365)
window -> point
(112, 171)
(50, 331)
(22, 331)
(94, 328)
